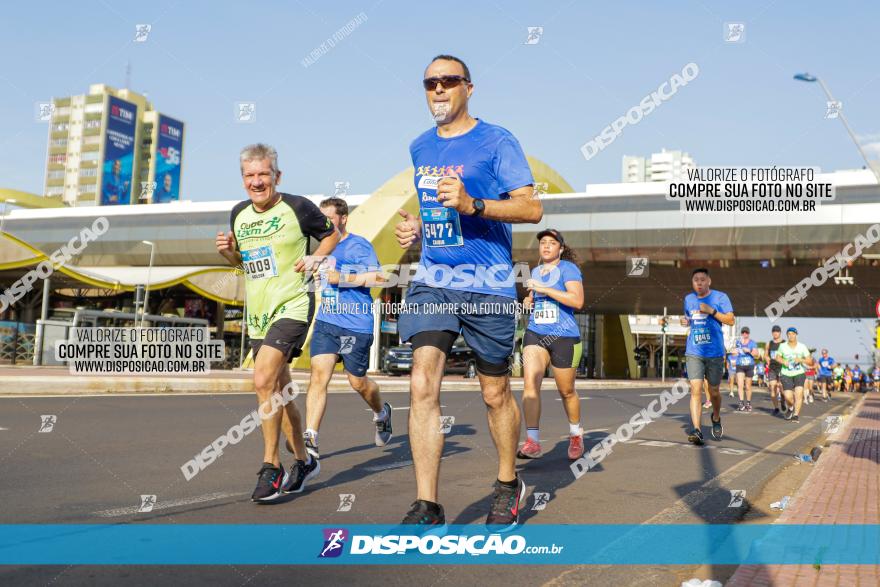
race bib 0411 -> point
(546, 312)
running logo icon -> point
(47, 423)
(340, 188)
(245, 112)
(147, 189)
(148, 502)
(832, 424)
(541, 501)
(534, 36)
(833, 108)
(346, 344)
(540, 189)
(141, 32)
(734, 32)
(446, 423)
(44, 111)
(638, 267)
(346, 501)
(334, 542)
(737, 496)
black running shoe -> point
(695, 437)
(504, 511)
(300, 472)
(741, 407)
(425, 513)
(795, 419)
(749, 407)
(311, 445)
(775, 411)
(383, 427)
(789, 414)
(717, 430)
(269, 483)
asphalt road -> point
(105, 452)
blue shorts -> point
(487, 322)
(352, 348)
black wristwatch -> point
(479, 207)
(714, 311)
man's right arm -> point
(228, 248)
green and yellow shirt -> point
(271, 243)
(788, 357)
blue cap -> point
(791, 329)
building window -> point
(59, 158)
(59, 142)
(88, 188)
(56, 174)
(92, 124)
(89, 156)
(88, 172)
(54, 191)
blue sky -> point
(351, 115)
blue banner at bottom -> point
(223, 544)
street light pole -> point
(147, 287)
(806, 77)
(663, 335)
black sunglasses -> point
(447, 81)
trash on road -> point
(781, 504)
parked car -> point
(461, 360)
(397, 360)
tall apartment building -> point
(110, 147)
(662, 166)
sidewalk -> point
(843, 488)
(29, 380)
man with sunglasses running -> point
(472, 181)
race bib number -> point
(772, 354)
(700, 329)
(330, 300)
(442, 227)
(259, 263)
(792, 364)
(546, 312)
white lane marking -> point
(389, 466)
(649, 394)
(393, 408)
(162, 505)
(559, 399)
(2, 428)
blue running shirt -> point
(706, 338)
(491, 163)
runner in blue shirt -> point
(343, 328)
(826, 374)
(552, 337)
(705, 310)
(472, 180)
(745, 350)
(731, 378)
(857, 378)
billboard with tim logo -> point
(169, 151)
(116, 183)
